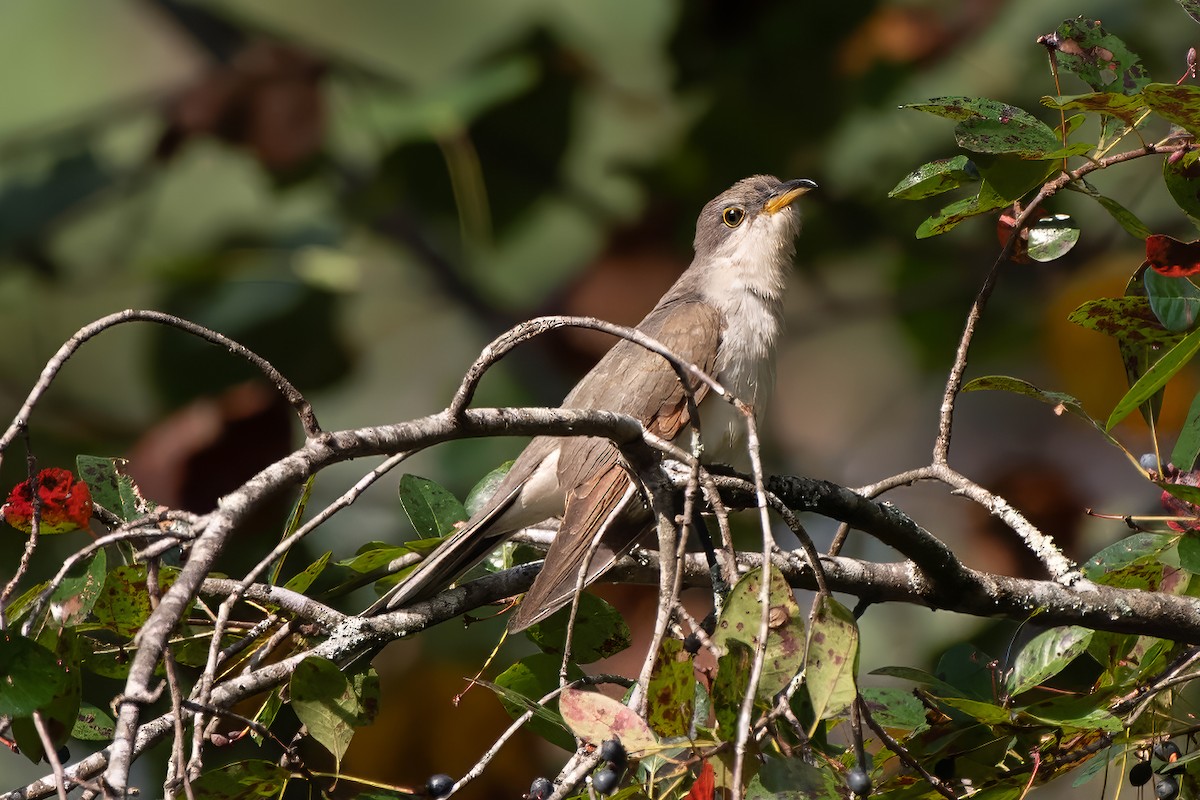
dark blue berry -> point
(1166, 787)
(612, 751)
(439, 785)
(605, 781)
(1141, 773)
(540, 789)
(859, 781)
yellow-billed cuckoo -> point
(724, 315)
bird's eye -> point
(733, 216)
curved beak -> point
(787, 192)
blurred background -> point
(366, 192)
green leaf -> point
(1010, 177)
(981, 711)
(1189, 553)
(939, 686)
(302, 580)
(242, 780)
(524, 683)
(76, 596)
(1192, 7)
(1026, 138)
(831, 668)
(1124, 217)
(792, 779)
(1187, 446)
(671, 695)
(100, 475)
(1155, 377)
(741, 620)
(935, 178)
(896, 709)
(1126, 107)
(329, 705)
(949, 217)
(969, 670)
(1132, 563)
(1052, 237)
(730, 686)
(1046, 655)
(1182, 178)
(1179, 104)
(124, 603)
(1102, 61)
(600, 631)
(32, 676)
(596, 718)
(1175, 301)
(432, 510)
(92, 724)
(482, 492)
(989, 126)
(1073, 714)
(1130, 319)
(63, 678)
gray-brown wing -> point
(604, 503)
(632, 380)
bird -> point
(723, 314)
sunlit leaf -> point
(596, 717)
(330, 704)
(1046, 655)
(1129, 318)
(1155, 377)
(741, 620)
(242, 780)
(896, 709)
(831, 669)
(1052, 237)
(935, 178)
(986, 200)
(671, 695)
(522, 685)
(432, 510)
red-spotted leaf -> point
(671, 695)
(741, 620)
(595, 718)
(64, 503)
(832, 663)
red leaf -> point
(705, 785)
(65, 503)
(1172, 257)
